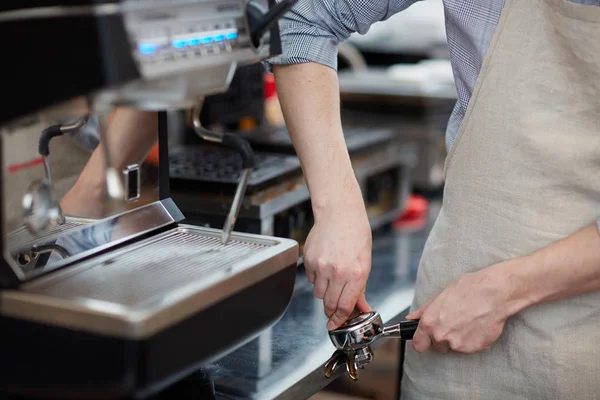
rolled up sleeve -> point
(312, 30)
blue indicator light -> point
(231, 36)
(147, 48)
(206, 40)
(219, 38)
(193, 42)
(179, 44)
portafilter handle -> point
(405, 330)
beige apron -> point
(523, 173)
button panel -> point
(187, 43)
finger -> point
(362, 304)
(419, 313)
(311, 275)
(332, 297)
(421, 341)
(321, 283)
(442, 347)
(345, 306)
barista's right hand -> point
(337, 257)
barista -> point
(508, 290)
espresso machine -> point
(108, 295)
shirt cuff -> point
(299, 48)
(598, 224)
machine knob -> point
(260, 22)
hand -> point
(466, 317)
(337, 258)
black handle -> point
(260, 23)
(241, 146)
(408, 329)
(47, 135)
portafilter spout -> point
(354, 338)
(243, 148)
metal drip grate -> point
(223, 166)
(23, 238)
(134, 277)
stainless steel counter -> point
(287, 361)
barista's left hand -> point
(467, 316)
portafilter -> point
(354, 338)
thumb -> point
(362, 304)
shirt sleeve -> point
(312, 29)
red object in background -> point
(26, 165)
(270, 87)
(153, 156)
(415, 214)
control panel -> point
(175, 36)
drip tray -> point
(23, 238)
(144, 288)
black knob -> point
(260, 22)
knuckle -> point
(426, 324)
(345, 308)
(341, 315)
(337, 271)
(322, 263)
(319, 293)
(456, 344)
(330, 305)
(358, 275)
(440, 337)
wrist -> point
(341, 196)
(516, 289)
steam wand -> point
(248, 163)
(40, 205)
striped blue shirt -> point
(313, 29)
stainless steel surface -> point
(354, 339)
(132, 190)
(296, 367)
(114, 184)
(209, 136)
(60, 218)
(40, 206)
(22, 238)
(357, 333)
(87, 240)
(72, 127)
(145, 287)
(235, 205)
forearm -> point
(310, 100)
(130, 137)
(567, 268)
